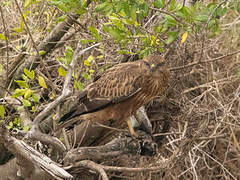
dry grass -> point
(206, 111)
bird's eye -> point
(147, 64)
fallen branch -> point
(30, 159)
(118, 146)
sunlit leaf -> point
(95, 33)
(19, 92)
(86, 63)
(86, 76)
(22, 84)
(2, 111)
(26, 103)
(52, 96)
(42, 82)
(28, 93)
(35, 98)
(62, 72)
(42, 53)
(2, 36)
(21, 27)
(78, 85)
(30, 74)
(184, 37)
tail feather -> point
(68, 116)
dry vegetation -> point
(200, 114)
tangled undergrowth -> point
(199, 115)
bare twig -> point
(6, 34)
(201, 62)
(66, 88)
(95, 167)
(168, 13)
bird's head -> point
(154, 65)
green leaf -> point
(2, 36)
(26, 103)
(28, 93)
(170, 21)
(90, 58)
(86, 76)
(101, 7)
(221, 11)
(114, 32)
(19, 92)
(42, 82)
(78, 85)
(30, 74)
(25, 78)
(126, 8)
(35, 98)
(42, 53)
(22, 84)
(171, 36)
(159, 3)
(86, 63)
(86, 41)
(26, 128)
(62, 72)
(2, 111)
(105, 7)
(69, 55)
(95, 33)
(211, 23)
(119, 6)
(172, 5)
(202, 18)
(10, 125)
(21, 27)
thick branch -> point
(47, 45)
(116, 147)
(30, 158)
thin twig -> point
(6, 34)
(201, 62)
(168, 13)
(66, 87)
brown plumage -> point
(121, 90)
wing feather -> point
(116, 83)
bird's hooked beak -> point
(152, 67)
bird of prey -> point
(120, 91)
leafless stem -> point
(201, 62)
(95, 167)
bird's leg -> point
(131, 130)
(143, 120)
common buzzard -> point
(121, 90)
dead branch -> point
(95, 167)
(116, 147)
(202, 62)
(46, 45)
(31, 159)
